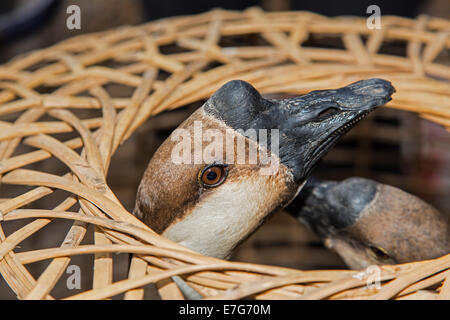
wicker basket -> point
(167, 64)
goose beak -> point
(316, 121)
(308, 125)
(328, 206)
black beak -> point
(315, 122)
(328, 206)
(308, 125)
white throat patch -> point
(229, 214)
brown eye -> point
(213, 175)
(380, 253)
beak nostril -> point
(326, 113)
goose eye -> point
(379, 253)
(213, 175)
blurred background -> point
(389, 146)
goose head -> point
(241, 157)
(369, 223)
